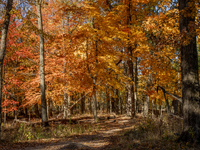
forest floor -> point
(114, 133)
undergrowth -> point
(151, 134)
(24, 132)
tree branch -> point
(174, 96)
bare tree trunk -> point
(95, 100)
(113, 101)
(42, 65)
(190, 76)
(146, 102)
(117, 102)
(167, 104)
(152, 108)
(146, 106)
(90, 105)
(136, 85)
(3, 48)
(47, 101)
(121, 105)
(16, 111)
(4, 121)
(107, 100)
(83, 103)
(37, 113)
(65, 115)
(175, 106)
(130, 100)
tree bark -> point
(130, 100)
(83, 103)
(136, 85)
(90, 105)
(146, 102)
(117, 102)
(42, 65)
(95, 100)
(107, 101)
(146, 106)
(189, 70)
(3, 48)
(37, 113)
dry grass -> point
(151, 134)
(23, 132)
(138, 133)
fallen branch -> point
(174, 96)
(176, 116)
(20, 121)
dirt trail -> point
(96, 141)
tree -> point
(189, 69)
(3, 46)
(42, 78)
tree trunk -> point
(167, 104)
(83, 103)
(95, 100)
(130, 100)
(136, 84)
(107, 101)
(152, 109)
(4, 121)
(3, 48)
(146, 102)
(117, 102)
(90, 105)
(146, 106)
(42, 65)
(37, 113)
(160, 109)
(65, 115)
(175, 107)
(189, 69)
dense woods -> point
(60, 59)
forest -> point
(75, 73)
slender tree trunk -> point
(90, 105)
(107, 100)
(50, 107)
(146, 106)
(117, 102)
(65, 115)
(121, 105)
(130, 101)
(47, 101)
(167, 104)
(16, 111)
(136, 85)
(175, 106)
(113, 100)
(68, 105)
(95, 100)
(42, 65)
(3, 48)
(160, 109)
(190, 77)
(83, 103)
(146, 102)
(37, 113)
(5, 112)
